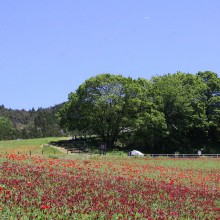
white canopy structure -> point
(135, 153)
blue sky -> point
(49, 47)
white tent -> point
(136, 153)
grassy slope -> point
(35, 146)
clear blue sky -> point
(49, 47)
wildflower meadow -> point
(108, 187)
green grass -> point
(30, 146)
(40, 146)
(185, 164)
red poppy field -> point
(109, 188)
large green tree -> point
(107, 105)
(150, 126)
(212, 102)
(180, 97)
(6, 128)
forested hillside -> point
(22, 124)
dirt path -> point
(61, 149)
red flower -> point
(43, 207)
(29, 184)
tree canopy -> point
(31, 124)
(6, 128)
(173, 112)
(107, 105)
(170, 113)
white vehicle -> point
(135, 153)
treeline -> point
(22, 124)
(171, 113)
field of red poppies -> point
(108, 188)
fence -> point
(184, 155)
(30, 153)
